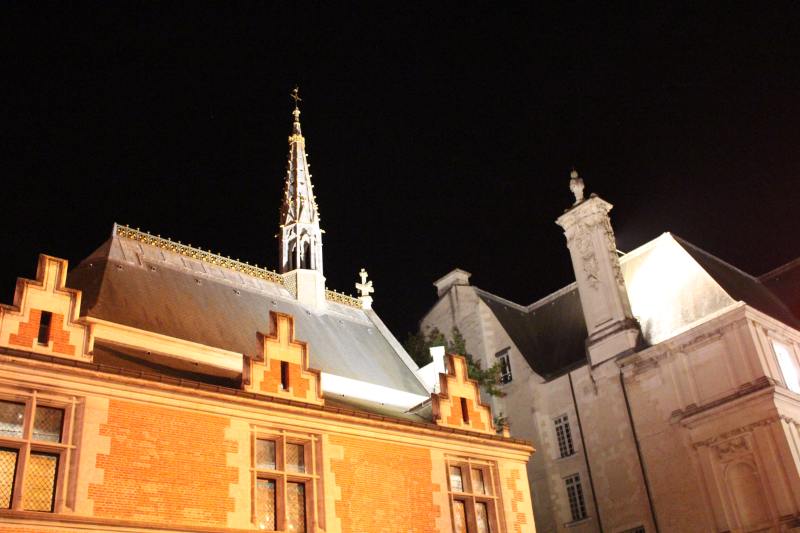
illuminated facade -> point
(160, 387)
(661, 388)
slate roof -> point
(129, 283)
(742, 286)
(551, 336)
(551, 332)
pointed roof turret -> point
(300, 234)
(299, 202)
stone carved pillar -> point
(604, 299)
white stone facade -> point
(693, 429)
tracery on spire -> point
(301, 236)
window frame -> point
(311, 478)
(63, 450)
(490, 497)
(502, 356)
(574, 480)
(562, 421)
(776, 344)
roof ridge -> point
(780, 269)
(221, 261)
(684, 242)
(198, 254)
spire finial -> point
(576, 186)
(295, 95)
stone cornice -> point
(197, 393)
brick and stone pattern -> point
(165, 466)
(263, 375)
(19, 323)
(459, 391)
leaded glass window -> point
(8, 468)
(265, 454)
(286, 481)
(472, 496)
(33, 445)
(266, 518)
(40, 480)
(296, 506)
(48, 423)
(11, 419)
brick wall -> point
(28, 333)
(164, 466)
(386, 488)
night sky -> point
(439, 137)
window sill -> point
(576, 523)
(565, 457)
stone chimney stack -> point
(454, 277)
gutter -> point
(638, 452)
(585, 453)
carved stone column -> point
(604, 299)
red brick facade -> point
(385, 487)
(28, 332)
(165, 466)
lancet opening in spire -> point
(301, 236)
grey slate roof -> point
(740, 285)
(784, 282)
(551, 336)
(551, 333)
(150, 290)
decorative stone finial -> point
(365, 289)
(576, 186)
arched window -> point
(306, 257)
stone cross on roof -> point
(365, 289)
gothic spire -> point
(301, 236)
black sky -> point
(439, 136)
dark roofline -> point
(684, 242)
(780, 270)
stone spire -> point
(604, 299)
(301, 236)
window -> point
(284, 375)
(564, 436)
(44, 328)
(285, 481)
(577, 505)
(505, 365)
(33, 452)
(464, 410)
(788, 364)
(472, 497)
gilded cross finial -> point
(295, 95)
(365, 289)
(576, 186)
